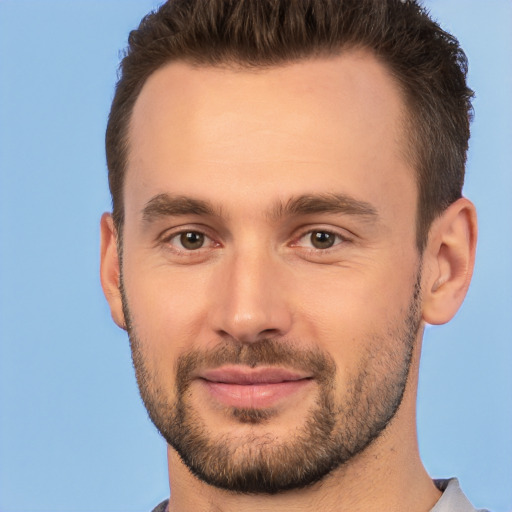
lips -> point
(248, 376)
(246, 387)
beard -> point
(338, 426)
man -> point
(287, 216)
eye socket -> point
(188, 240)
(319, 239)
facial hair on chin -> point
(334, 430)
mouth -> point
(253, 388)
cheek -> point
(344, 311)
(167, 309)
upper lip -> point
(246, 376)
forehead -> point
(242, 131)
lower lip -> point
(254, 396)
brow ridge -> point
(166, 205)
(309, 204)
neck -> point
(387, 475)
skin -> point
(314, 127)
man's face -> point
(269, 271)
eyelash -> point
(211, 243)
(176, 234)
(338, 240)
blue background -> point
(74, 435)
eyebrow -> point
(165, 205)
(310, 204)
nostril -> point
(269, 333)
(247, 337)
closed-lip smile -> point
(245, 387)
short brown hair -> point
(426, 62)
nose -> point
(251, 301)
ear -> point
(110, 269)
(449, 259)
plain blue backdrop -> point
(74, 435)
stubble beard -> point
(335, 428)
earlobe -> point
(110, 269)
(448, 261)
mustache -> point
(266, 352)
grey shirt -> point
(452, 500)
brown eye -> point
(322, 239)
(192, 240)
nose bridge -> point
(251, 304)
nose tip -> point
(251, 304)
(251, 327)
